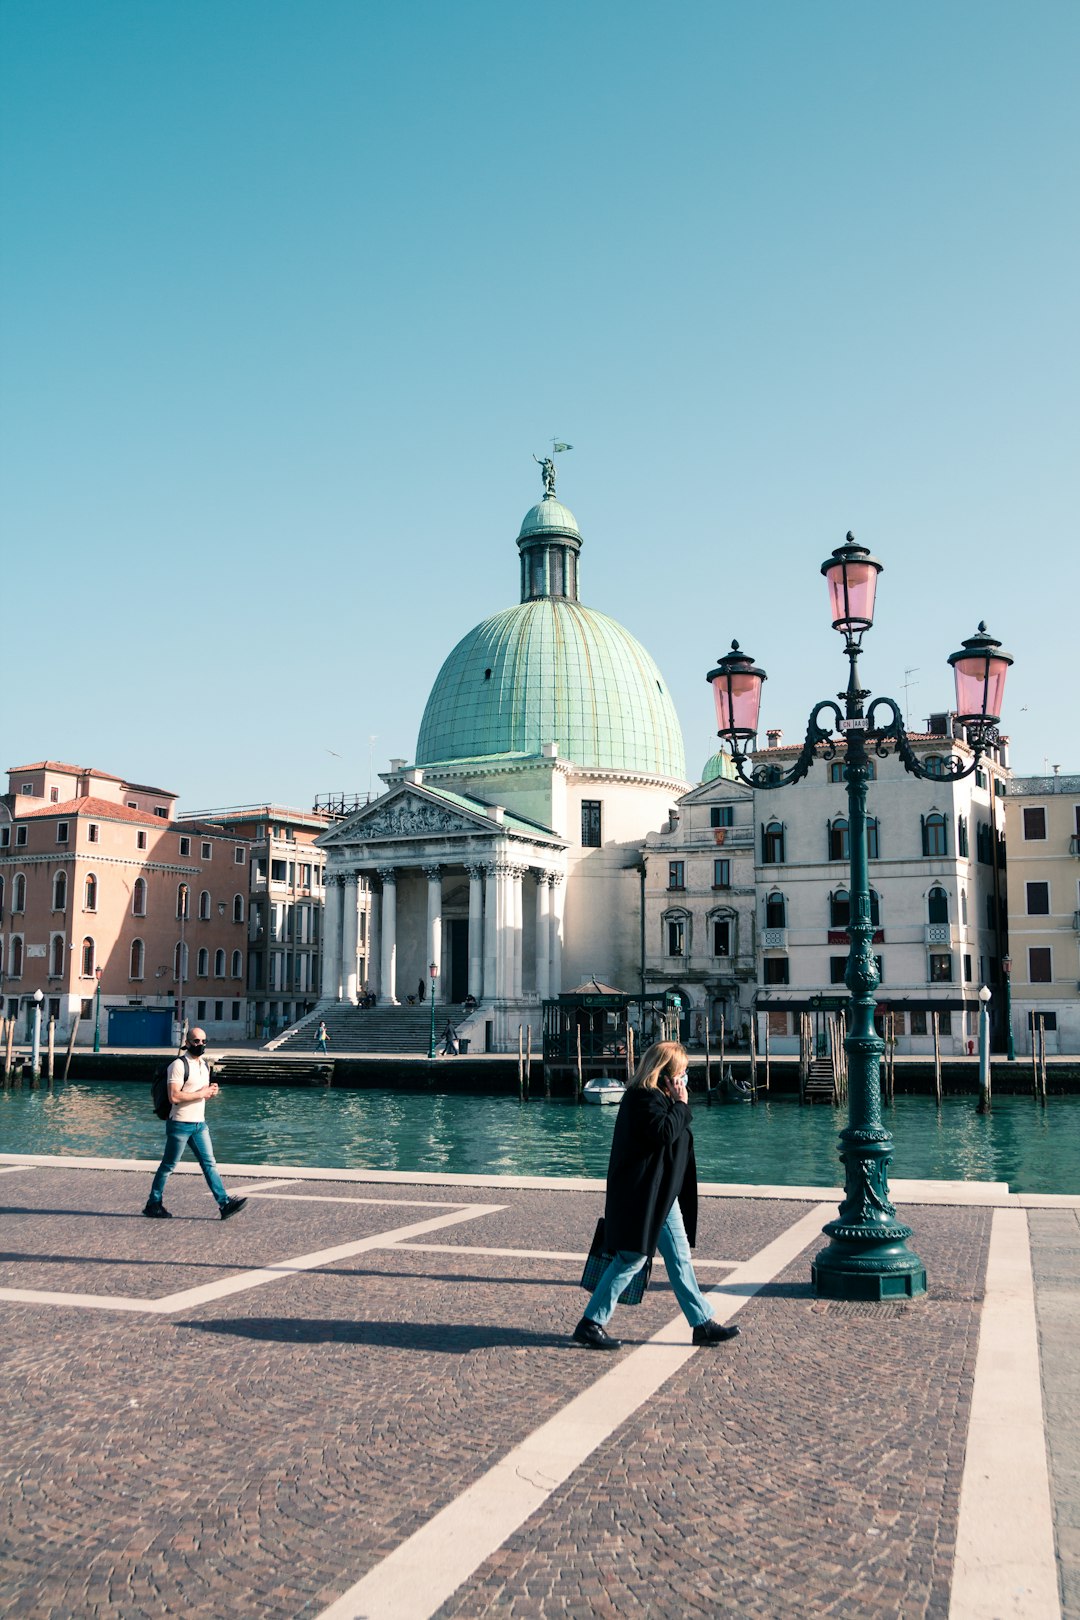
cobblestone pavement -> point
(255, 1453)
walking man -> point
(189, 1086)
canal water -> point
(1032, 1148)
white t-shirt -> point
(198, 1077)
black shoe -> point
(593, 1335)
(233, 1207)
(157, 1211)
(715, 1333)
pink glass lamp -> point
(852, 574)
(736, 682)
(980, 668)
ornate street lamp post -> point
(1006, 974)
(35, 1043)
(97, 1011)
(433, 970)
(868, 1257)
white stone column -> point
(349, 933)
(491, 932)
(330, 973)
(517, 912)
(476, 931)
(543, 943)
(374, 942)
(434, 924)
(388, 974)
(558, 901)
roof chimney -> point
(775, 738)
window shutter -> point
(925, 844)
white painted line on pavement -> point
(413, 1581)
(530, 1254)
(344, 1198)
(206, 1293)
(1005, 1566)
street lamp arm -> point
(817, 736)
(894, 735)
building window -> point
(237, 965)
(180, 960)
(721, 874)
(202, 963)
(1034, 822)
(93, 832)
(20, 837)
(59, 892)
(839, 840)
(160, 810)
(837, 969)
(219, 964)
(772, 843)
(206, 850)
(138, 898)
(183, 900)
(775, 911)
(676, 878)
(1038, 899)
(967, 968)
(5, 836)
(185, 846)
(676, 936)
(721, 936)
(872, 847)
(590, 823)
(941, 969)
(140, 838)
(937, 905)
(934, 765)
(88, 958)
(235, 1011)
(1040, 967)
(963, 907)
(962, 837)
(721, 815)
(200, 1012)
(56, 957)
(839, 909)
(239, 856)
(918, 1023)
(135, 964)
(933, 834)
(16, 957)
(90, 893)
(204, 905)
(776, 970)
(18, 893)
(62, 832)
(237, 908)
(875, 909)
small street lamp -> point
(1006, 974)
(868, 1257)
(97, 1011)
(433, 971)
(35, 1046)
(984, 1049)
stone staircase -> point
(372, 1029)
(247, 1069)
(820, 1082)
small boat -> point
(605, 1090)
(735, 1091)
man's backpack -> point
(159, 1086)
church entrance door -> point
(458, 929)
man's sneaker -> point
(233, 1207)
(594, 1336)
(157, 1211)
(715, 1333)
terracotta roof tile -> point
(103, 808)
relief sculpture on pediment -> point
(406, 820)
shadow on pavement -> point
(450, 1338)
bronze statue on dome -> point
(547, 473)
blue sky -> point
(292, 292)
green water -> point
(1033, 1149)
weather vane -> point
(547, 466)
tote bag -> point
(597, 1262)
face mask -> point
(197, 1047)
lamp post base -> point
(868, 1267)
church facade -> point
(508, 855)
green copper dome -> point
(552, 671)
(719, 764)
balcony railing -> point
(938, 934)
(774, 939)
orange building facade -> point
(119, 915)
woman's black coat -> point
(652, 1163)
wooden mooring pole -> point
(71, 1043)
(708, 1065)
(934, 1020)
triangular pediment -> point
(408, 812)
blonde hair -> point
(662, 1060)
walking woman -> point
(652, 1198)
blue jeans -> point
(675, 1251)
(178, 1133)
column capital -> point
(478, 869)
(555, 878)
(387, 874)
(502, 868)
(432, 872)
